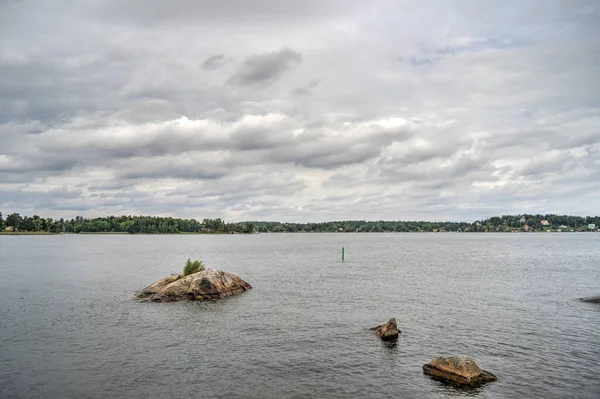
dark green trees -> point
(169, 225)
(14, 220)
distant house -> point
(562, 227)
(341, 229)
(544, 222)
(591, 226)
(526, 227)
(523, 219)
(9, 228)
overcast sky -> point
(308, 110)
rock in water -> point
(387, 331)
(457, 370)
(206, 284)
(159, 285)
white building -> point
(591, 226)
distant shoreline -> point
(42, 233)
(28, 233)
(127, 224)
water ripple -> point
(71, 329)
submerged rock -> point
(457, 370)
(592, 299)
(387, 331)
(206, 284)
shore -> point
(27, 233)
(43, 233)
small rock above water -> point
(206, 284)
(457, 370)
(387, 331)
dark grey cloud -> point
(306, 89)
(245, 187)
(103, 186)
(460, 168)
(59, 198)
(169, 167)
(265, 68)
(214, 62)
(149, 12)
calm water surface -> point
(69, 327)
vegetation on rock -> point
(192, 267)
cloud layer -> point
(308, 111)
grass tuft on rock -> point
(192, 267)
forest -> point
(14, 222)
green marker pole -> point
(342, 253)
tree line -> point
(169, 225)
(120, 224)
(505, 223)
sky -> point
(300, 111)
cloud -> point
(214, 62)
(203, 148)
(153, 12)
(265, 68)
(299, 111)
(306, 89)
(58, 198)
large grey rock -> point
(155, 288)
(457, 370)
(206, 284)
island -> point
(196, 283)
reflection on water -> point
(392, 345)
(452, 391)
